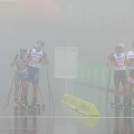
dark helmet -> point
(119, 47)
(23, 50)
(40, 42)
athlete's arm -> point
(14, 61)
(45, 58)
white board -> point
(66, 62)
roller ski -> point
(24, 107)
(24, 104)
(36, 106)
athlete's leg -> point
(16, 96)
(35, 91)
(17, 84)
(24, 94)
(116, 83)
(125, 93)
(25, 85)
(35, 83)
(130, 90)
(116, 91)
(35, 95)
(131, 85)
(125, 89)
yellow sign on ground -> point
(88, 109)
(66, 99)
(82, 106)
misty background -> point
(94, 26)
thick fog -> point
(94, 26)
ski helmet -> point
(23, 50)
(41, 42)
(120, 47)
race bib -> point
(121, 64)
(34, 59)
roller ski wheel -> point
(37, 107)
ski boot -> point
(35, 104)
(24, 103)
(116, 104)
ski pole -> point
(108, 83)
(43, 104)
(49, 86)
(8, 97)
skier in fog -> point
(36, 56)
(21, 63)
(119, 60)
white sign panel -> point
(66, 62)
